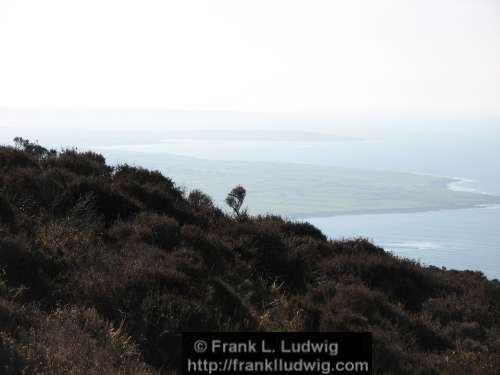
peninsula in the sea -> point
(303, 190)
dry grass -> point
(100, 265)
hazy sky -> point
(308, 57)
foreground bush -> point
(101, 265)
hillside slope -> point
(100, 265)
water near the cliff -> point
(456, 239)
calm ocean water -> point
(455, 239)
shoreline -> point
(443, 182)
(393, 211)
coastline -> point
(331, 187)
(331, 191)
(393, 211)
(453, 184)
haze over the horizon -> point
(292, 57)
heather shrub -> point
(7, 214)
(446, 309)
(273, 259)
(76, 341)
(402, 280)
(108, 202)
(372, 305)
(302, 229)
(12, 362)
(13, 158)
(163, 316)
(162, 201)
(20, 187)
(211, 248)
(82, 163)
(161, 231)
(102, 267)
(470, 330)
(144, 177)
(357, 246)
(24, 266)
(152, 229)
(199, 200)
(34, 149)
(237, 313)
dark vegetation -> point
(100, 265)
(235, 200)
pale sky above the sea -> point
(292, 57)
